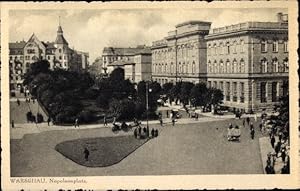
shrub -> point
(87, 116)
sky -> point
(92, 30)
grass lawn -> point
(104, 151)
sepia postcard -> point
(149, 95)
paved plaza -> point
(191, 147)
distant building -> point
(58, 53)
(181, 56)
(249, 63)
(136, 62)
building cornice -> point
(245, 32)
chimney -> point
(279, 17)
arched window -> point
(242, 66)
(275, 65)
(286, 65)
(188, 67)
(221, 48)
(234, 66)
(227, 48)
(234, 47)
(228, 66)
(179, 67)
(209, 50)
(264, 45)
(193, 67)
(215, 67)
(285, 46)
(209, 67)
(221, 66)
(215, 49)
(264, 65)
(275, 45)
(242, 46)
(183, 67)
(59, 50)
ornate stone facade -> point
(249, 63)
(136, 62)
(58, 53)
(182, 54)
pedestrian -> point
(161, 121)
(273, 141)
(251, 126)
(167, 113)
(140, 131)
(252, 132)
(280, 136)
(104, 120)
(76, 123)
(12, 123)
(285, 169)
(283, 154)
(135, 133)
(49, 120)
(152, 133)
(197, 116)
(156, 133)
(18, 102)
(86, 154)
(248, 120)
(277, 148)
(270, 169)
(173, 121)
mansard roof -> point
(17, 45)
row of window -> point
(226, 48)
(275, 44)
(181, 53)
(274, 66)
(114, 58)
(228, 67)
(235, 91)
(183, 68)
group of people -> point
(233, 133)
(172, 117)
(247, 122)
(143, 133)
(280, 146)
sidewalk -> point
(28, 128)
(265, 148)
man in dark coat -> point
(252, 132)
(277, 148)
(86, 154)
(270, 169)
(273, 141)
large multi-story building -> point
(136, 62)
(249, 63)
(58, 53)
(181, 56)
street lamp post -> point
(147, 102)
